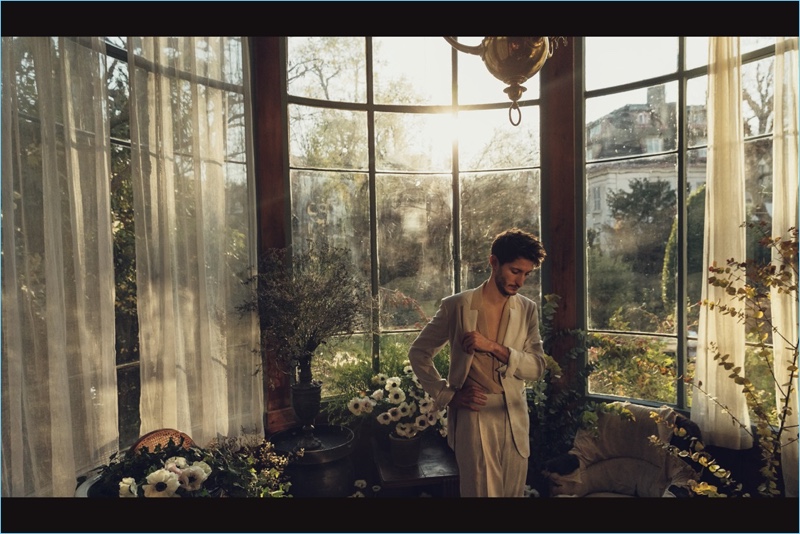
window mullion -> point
(682, 213)
(373, 208)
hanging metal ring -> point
(513, 107)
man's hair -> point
(515, 243)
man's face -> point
(510, 277)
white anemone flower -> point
(356, 405)
(378, 394)
(530, 492)
(369, 404)
(394, 413)
(360, 483)
(405, 430)
(385, 418)
(408, 370)
(396, 395)
(192, 478)
(178, 461)
(415, 379)
(426, 405)
(422, 422)
(405, 409)
(392, 383)
(432, 418)
(127, 488)
(379, 379)
(358, 494)
(161, 483)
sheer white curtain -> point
(193, 214)
(724, 239)
(59, 413)
(784, 306)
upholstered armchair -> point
(617, 459)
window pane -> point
(412, 70)
(757, 94)
(487, 140)
(749, 44)
(327, 68)
(640, 367)
(415, 243)
(119, 42)
(333, 206)
(413, 141)
(327, 138)
(128, 394)
(614, 61)
(758, 192)
(696, 52)
(695, 217)
(336, 360)
(631, 123)
(491, 203)
(626, 241)
(696, 110)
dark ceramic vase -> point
(405, 451)
(306, 404)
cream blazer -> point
(526, 362)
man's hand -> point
(476, 342)
(471, 397)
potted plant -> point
(303, 298)
(169, 464)
(399, 405)
(748, 285)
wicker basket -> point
(161, 437)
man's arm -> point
(429, 342)
(529, 363)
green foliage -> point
(643, 218)
(244, 466)
(610, 286)
(695, 215)
(554, 406)
(590, 416)
(632, 366)
(303, 299)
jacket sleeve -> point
(429, 342)
(529, 363)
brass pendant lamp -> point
(512, 60)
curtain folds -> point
(784, 306)
(193, 214)
(59, 391)
(195, 234)
(724, 238)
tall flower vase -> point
(405, 451)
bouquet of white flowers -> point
(402, 404)
(243, 466)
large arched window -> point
(401, 149)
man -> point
(494, 347)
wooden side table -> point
(436, 466)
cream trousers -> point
(489, 464)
